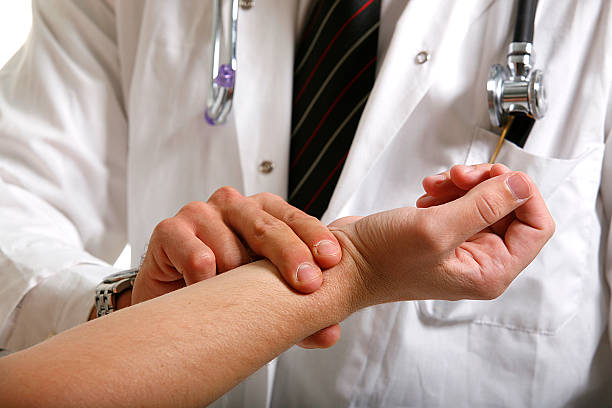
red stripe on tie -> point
(314, 197)
(346, 88)
(299, 95)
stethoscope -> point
(515, 92)
(223, 69)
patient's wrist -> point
(354, 272)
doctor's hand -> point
(230, 230)
(473, 234)
(456, 182)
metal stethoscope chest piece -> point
(223, 69)
(516, 90)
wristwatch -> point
(110, 288)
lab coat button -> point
(266, 166)
(422, 57)
(246, 4)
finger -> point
(456, 182)
(184, 252)
(468, 177)
(481, 207)
(323, 244)
(440, 184)
(532, 227)
(486, 267)
(450, 185)
(229, 249)
(426, 201)
(148, 285)
(272, 238)
(498, 169)
(210, 228)
(324, 338)
(501, 226)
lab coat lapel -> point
(402, 82)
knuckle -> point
(269, 196)
(194, 207)
(265, 225)
(492, 282)
(200, 261)
(165, 227)
(225, 194)
(295, 215)
(455, 168)
(266, 197)
(488, 208)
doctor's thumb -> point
(484, 205)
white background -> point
(15, 21)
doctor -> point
(103, 136)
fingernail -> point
(326, 248)
(426, 201)
(307, 272)
(469, 169)
(519, 187)
(438, 178)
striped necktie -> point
(334, 73)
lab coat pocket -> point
(548, 292)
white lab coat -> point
(102, 136)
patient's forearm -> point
(182, 349)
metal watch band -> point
(110, 288)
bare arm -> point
(187, 348)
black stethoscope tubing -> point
(525, 20)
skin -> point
(493, 240)
(229, 230)
(171, 264)
(183, 349)
(190, 346)
(205, 239)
